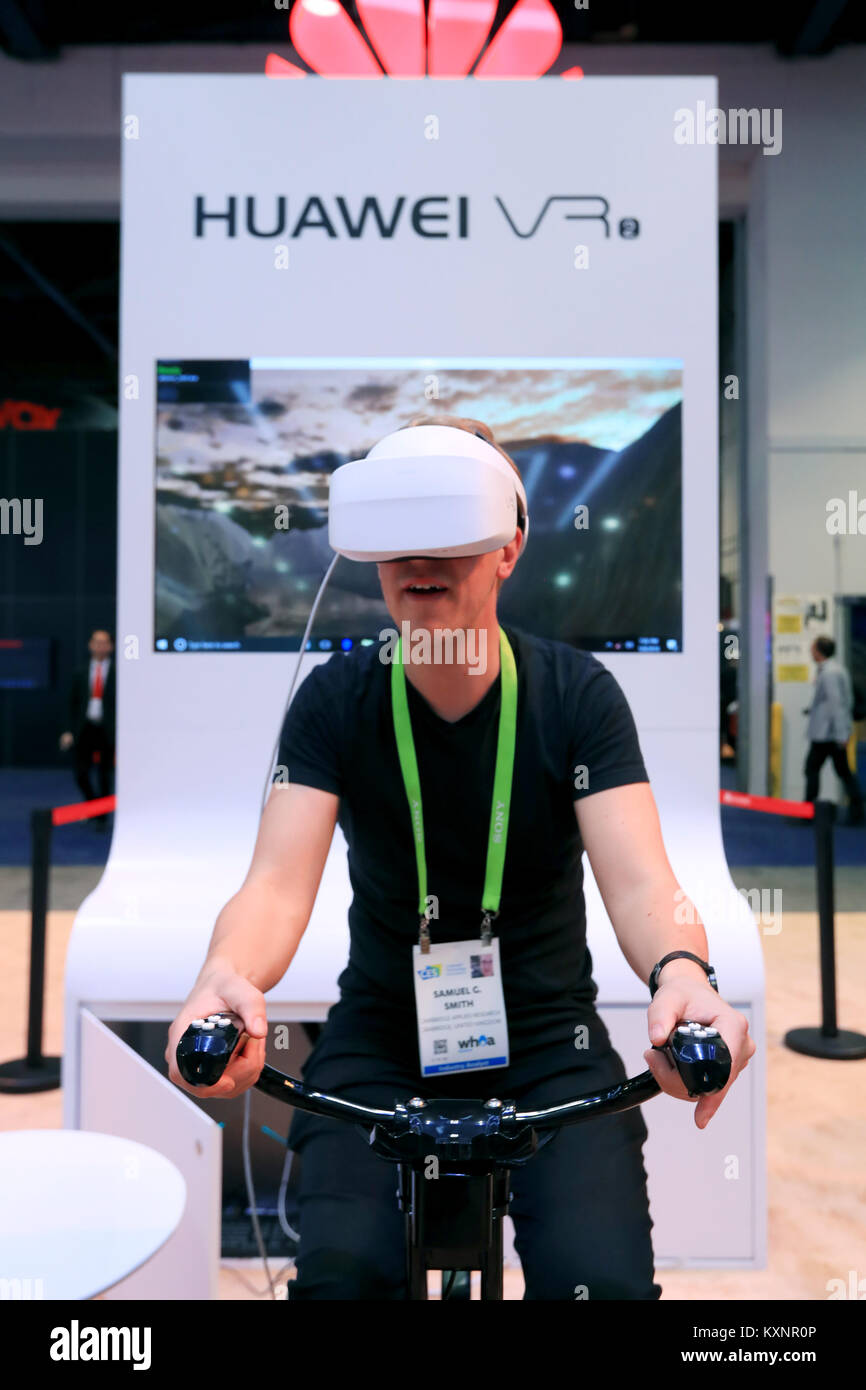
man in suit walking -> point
(830, 726)
(91, 717)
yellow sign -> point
(792, 673)
(789, 622)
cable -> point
(251, 1194)
(245, 1136)
(281, 1199)
(275, 750)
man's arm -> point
(259, 930)
(622, 836)
(67, 738)
(651, 917)
(840, 706)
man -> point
(829, 727)
(92, 719)
(580, 1206)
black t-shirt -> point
(575, 736)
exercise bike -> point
(453, 1157)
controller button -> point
(197, 1023)
(683, 1029)
(207, 1025)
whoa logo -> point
(485, 1040)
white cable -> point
(281, 1199)
(251, 1194)
(328, 572)
(245, 1137)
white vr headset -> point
(425, 490)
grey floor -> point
(797, 885)
(70, 885)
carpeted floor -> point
(751, 838)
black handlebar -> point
(457, 1224)
(293, 1092)
(469, 1136)
(621, 1096)
(466, 1133)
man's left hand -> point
(684, 997)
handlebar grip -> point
(700, 1055)
(206, 1047)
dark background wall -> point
(58, 349)
(65, 586)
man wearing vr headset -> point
(494, 781)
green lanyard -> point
(498, 833)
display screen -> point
(244, 454)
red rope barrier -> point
(82, 810)
(774, 805)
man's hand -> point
(66, 741)
(224, 992)
(685, 997)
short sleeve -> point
(312, 736)
(604, 749)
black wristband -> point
(681, 955)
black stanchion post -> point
(35, 1072)
(826, 1041)
(824, 871)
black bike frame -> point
(453, 1159)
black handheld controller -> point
(204, 1051)
(700, 1055)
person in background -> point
(829, 727)
(91, 716)
(728, 665)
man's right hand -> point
(66, 741)
(216, 995)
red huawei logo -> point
(401, 40)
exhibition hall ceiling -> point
(36, 30)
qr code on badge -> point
(440, 1045)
